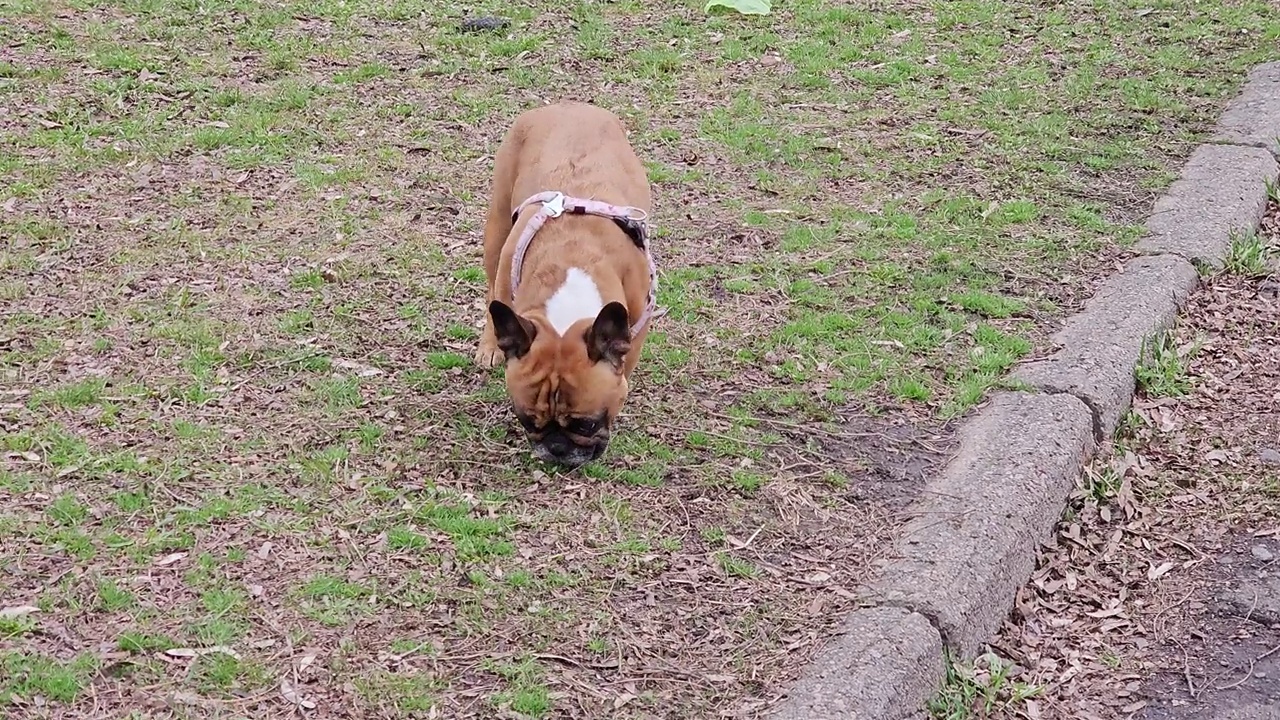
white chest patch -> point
(576, 299)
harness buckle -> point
(555, 206)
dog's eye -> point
(527, 422)
(584, 426)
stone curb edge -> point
(971, 538)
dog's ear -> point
(515, 334)
(609, 337)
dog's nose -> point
(558, 446)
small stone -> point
(480, 24)
(1269, 288)
(1263, 554)
(1269, 456)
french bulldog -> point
(572, 286)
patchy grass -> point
(241, 282)
(1162, 370)
(1249, 256)
(979, 689)
(37, 675)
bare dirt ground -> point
(246, 467)
(1160, 598)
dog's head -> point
(566, 390)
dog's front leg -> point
(488, 354)
(497, 228)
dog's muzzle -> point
(557, 448)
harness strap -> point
(632, 220)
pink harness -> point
(630, 219)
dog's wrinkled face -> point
(565, 390)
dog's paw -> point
(488, 357)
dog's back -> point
(578, 149)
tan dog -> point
(572, 284)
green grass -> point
(333, 601)
(27, 676)
(1102, 485)
(977, 690)
(527, 694)
(113, 598)
(1162, 370)
(240, 285)
(409, 694)
(1249, 256)
(72, 395)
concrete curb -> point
(1101, 345)
(971, 538)
(1253, 117)
(1217, 196)
(885, 663)
(970, 541)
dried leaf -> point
(183, 697)
(170, 559)
(17, 611)
(291, 694)
(288, 692)
(197, 652)
(1165, 419)
(1113, 625)
(360, 369)
(1113, 612)
(1155, 573)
